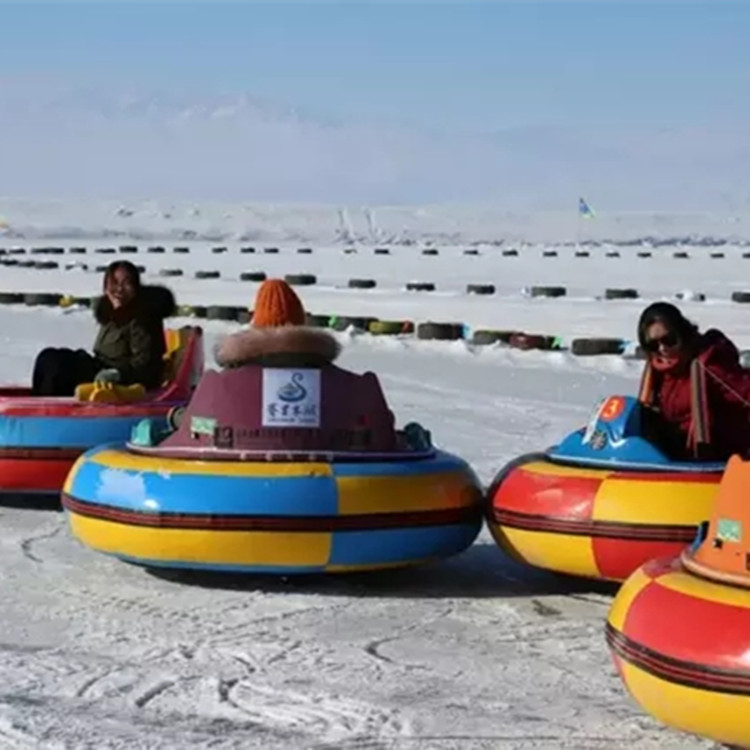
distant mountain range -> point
(95, 143)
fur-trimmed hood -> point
(153, 302)
(294, 346)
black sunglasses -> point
(668, 340)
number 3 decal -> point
(612, 409)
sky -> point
(606, 73)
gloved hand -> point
(109, 375)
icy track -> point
(471, 653)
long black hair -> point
(131, 270)
(672, 318)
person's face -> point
(663, 344)
(120, 288)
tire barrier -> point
(472, 251)
(548, 291)
(192, 311)
(717, 255)
(170, 272)
(181, 250)
(645, 254)
(343, 322)
(510, 253)
(590, 347)
(46, 265)
(26, 263)
(549, 253)
(391, 327)
(41, 299)
(362, 284)
(681, 254)
(317, 321)
(620, 294)
(528, 341)
(420, 286)
(158, 249)
(440, 331)
(76, 266)
(487, 337)
(480, 289)
(208, 274)
(582, 254)
(430, 251)
(252, 276)
(17, 251)
(100, 269)
(382, 251)
(128, 249)
(301, 279)
(223, 312)
(742, 297)
(271, 250)
(746, 255)
(689, 296)
(612, 254)
(350, 251)
(77, 250)
(218, 250)
(247, 250)
(11, 298)
(304, 251)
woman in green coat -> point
(129, 347)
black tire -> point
(208, 274)
(742, 297)
(301, 279)
(510, 253)
(691, 296)
(222, 312)
(645, 254)
(362, 283)
(128, 249)
(45, 299)
(620, 294)
(488, 337)
(612, 254)
(271, 250)
(548, 291)
(390, 327)
(17, 251)
(199, 311)
(746, 255)
(350, 251)
(158, 249)
(218, 250)
(342, 322)
(26, 263)
(317, 321)
(39, 251)
(252, 276)
(46, 265)
(682, 254)
(589, 347)
(304, 251)
(440, 331)
(528, 341)
(582, 254)
(382, 251)
(169, 272)
(480, 289)
(56, 250)
(11, 298)
(717, 255)
(430, 251)
(76, 266)
(549, 253)
(100, 269)
(181, 250)
(105, 250)
(471, 251)
(77, 250)
(247, 250)
(420, 286)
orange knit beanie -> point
(277, 304)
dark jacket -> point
(131, 339)
(727, 396)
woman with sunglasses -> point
(695, 383)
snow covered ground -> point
(475, 652)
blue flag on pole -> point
(585, 210)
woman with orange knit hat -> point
(277, 336)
